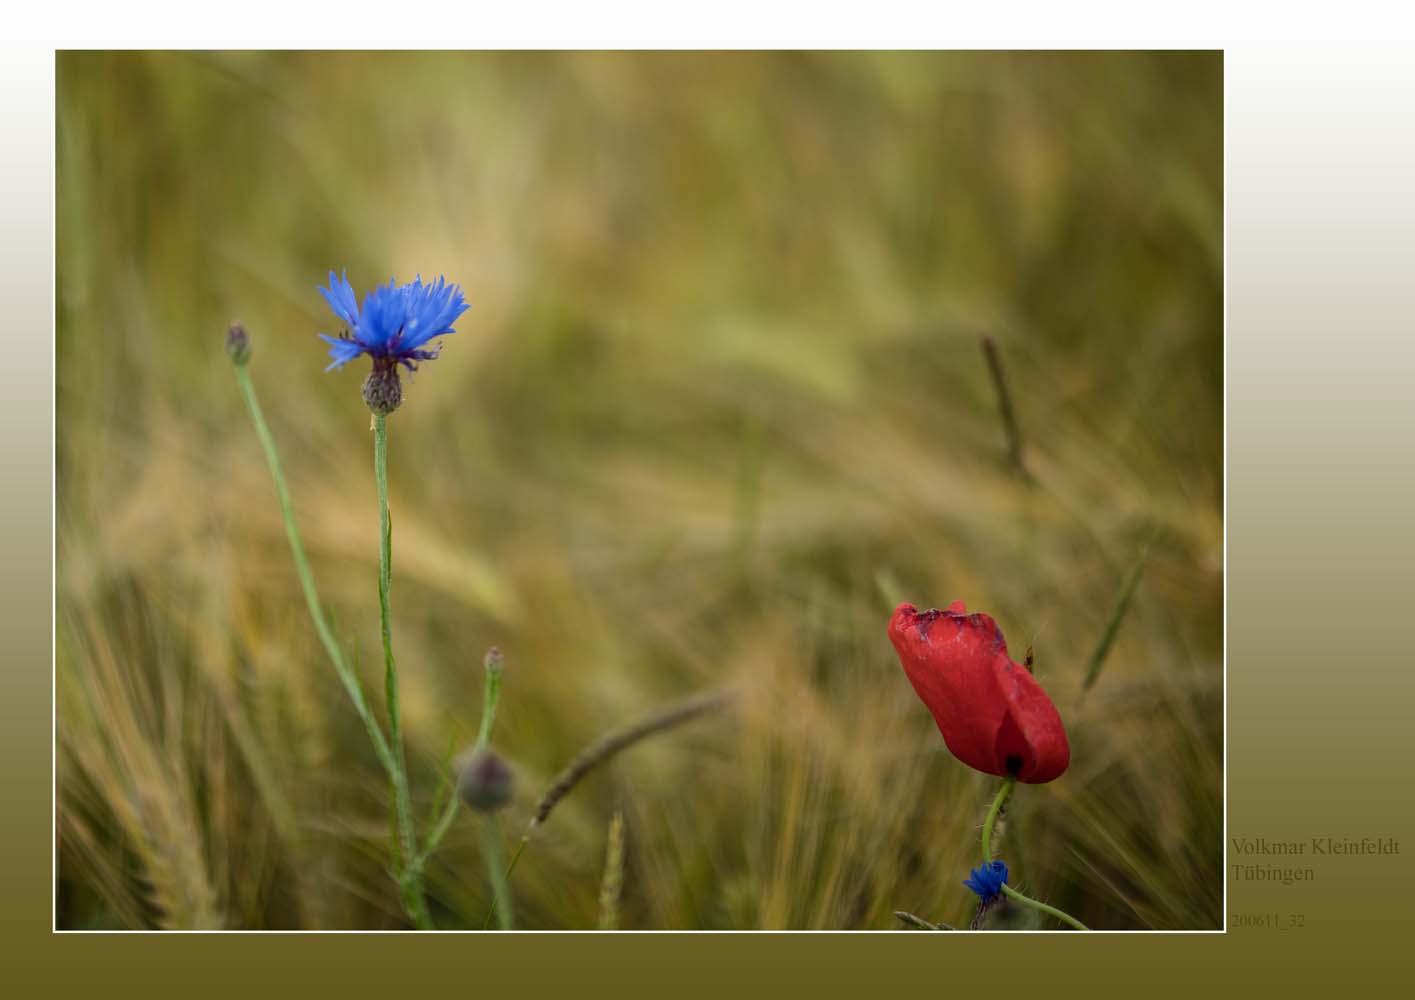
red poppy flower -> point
(992, 713)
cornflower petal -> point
(395, 322)
(341, 349)
(987, 881)
(341, 298)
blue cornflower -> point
(393, 328)
(988, 880)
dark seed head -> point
(383, 391)
(493, 660)
(238, 344)
(486, 783)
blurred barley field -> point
(719, 404)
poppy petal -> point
(993, 714)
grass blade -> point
(1117, 615)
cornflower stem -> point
(347, 677)
(410, 875)
(500, 889)
(449, 808)
(392, 764)
(488, 711)
(515, 856)
(440, 828)
(1003, 793)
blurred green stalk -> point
(500, 888)
(1117, 615)
(492, 663)
(1004, 404)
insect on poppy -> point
(993, 714)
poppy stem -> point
(1003, 793)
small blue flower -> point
(988, 880)
(395, 323)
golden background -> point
(718, 406)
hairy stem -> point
(1002, 795)
(1037, 904)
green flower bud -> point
(238, 344)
